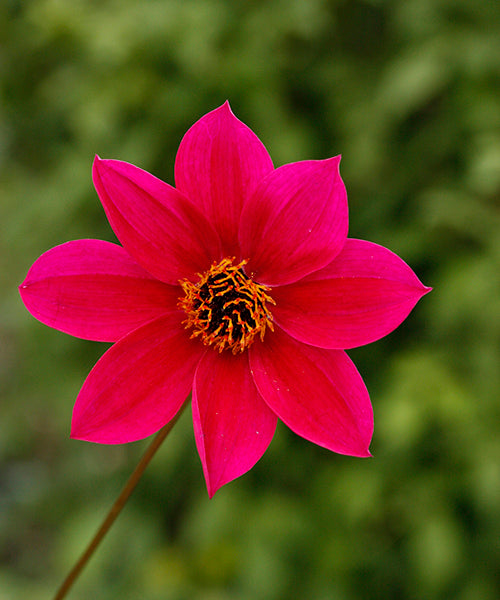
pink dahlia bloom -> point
(240, 285)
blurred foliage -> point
(408, 92)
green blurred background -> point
(409, 92)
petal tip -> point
(96, 167)
(211, 490)
(78, 430)
(24, 292)
(334, 159)
(101, 165)
(360, 449)
(423, 291)
(213, 487)
(333, 164)
(76, 434)
(357, 451)
(226, 112)
(223, 110)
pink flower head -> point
(239, 284)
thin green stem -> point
(116, 508)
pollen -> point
(225, 308)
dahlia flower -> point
(240, 285)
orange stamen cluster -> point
(226, 308)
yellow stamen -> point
(226, 308)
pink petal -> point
(94, 290)
(138, 385)
(318, 393)
(362, 295)
(219, 162)
(157, 225)
(296, 221)
(233, 426)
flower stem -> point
(116, 508)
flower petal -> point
(138, 385)
(219, 162)
(318, 393)
(94, 290)
(296, 221)
(233, 426)
(361, 296)
(157, 225)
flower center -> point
(226, 308)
